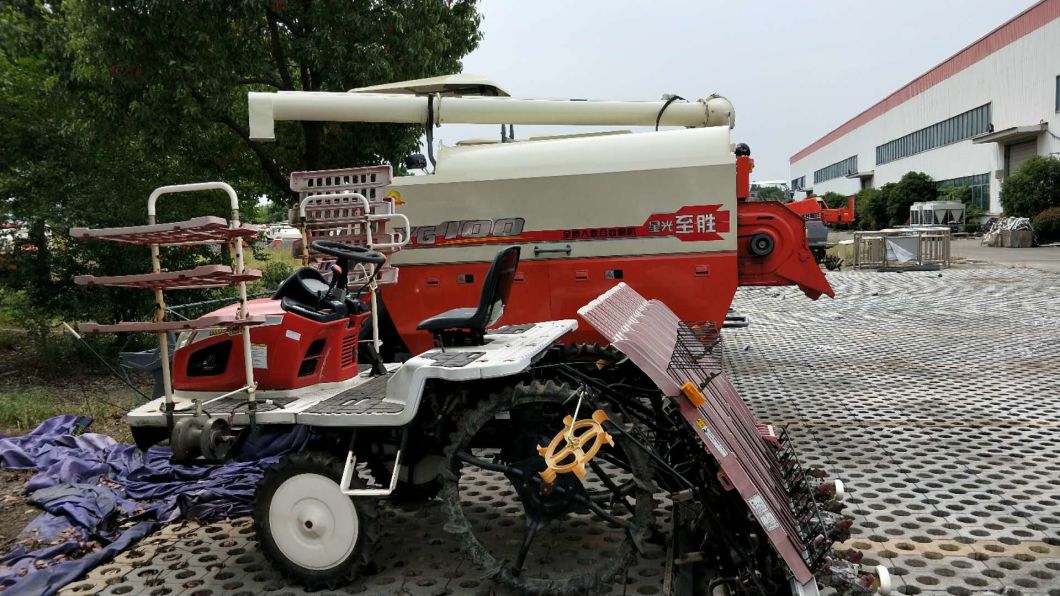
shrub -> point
(1032, 188)
(914, 187)
(1047, 225)
(834, 200)
(771, 193)
(274, 273)
(871, 207)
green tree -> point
(871, 207)
(771, 193)
(914, 187)
(100, 102)
(178, 64)
(1032, 188)
(834, 200)
(270, 212)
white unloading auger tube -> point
(267, 108)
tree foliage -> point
(103, 100)
(1047, 225)
(913, 187)
(179, 63)
(771, 193)
(834, 200)
(871, 207)
(1032, 188)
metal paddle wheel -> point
(573, 521)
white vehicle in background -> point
(282, 234)
(758, 185)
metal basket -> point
(813, 531)
(697, 354)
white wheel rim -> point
(840, 490)
(313, 524)
(885, 579)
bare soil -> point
(15, 511)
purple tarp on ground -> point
(141, 491)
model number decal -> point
(454, 232)
(692, 223)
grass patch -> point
(22, 409)
(271, 255)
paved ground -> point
(971, 250)
(935, 396)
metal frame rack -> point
(684, 360)
(193, 232)
(932, 247)
(348, 205)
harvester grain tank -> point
(664, 212)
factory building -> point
(970, 121)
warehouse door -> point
(1018, 153)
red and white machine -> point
(664, 212)
(581, 440)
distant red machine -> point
(814, 208)
(818, 215)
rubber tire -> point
(762, 244)
(359, 559)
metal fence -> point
(898, 248)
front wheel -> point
(315, 535)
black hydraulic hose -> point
(430, 130)
(672, 99)
(105, 363)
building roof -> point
(1025, 22)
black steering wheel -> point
(341, 250)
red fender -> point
(789, 261)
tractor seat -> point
(461, 326)
(304, 293)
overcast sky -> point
(793, 70)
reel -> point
(574, 446)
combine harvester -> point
(664, 212)
(642, 236)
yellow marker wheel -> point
(574, 446)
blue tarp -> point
(100, 496)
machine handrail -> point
(402, 242)
(193, 187)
